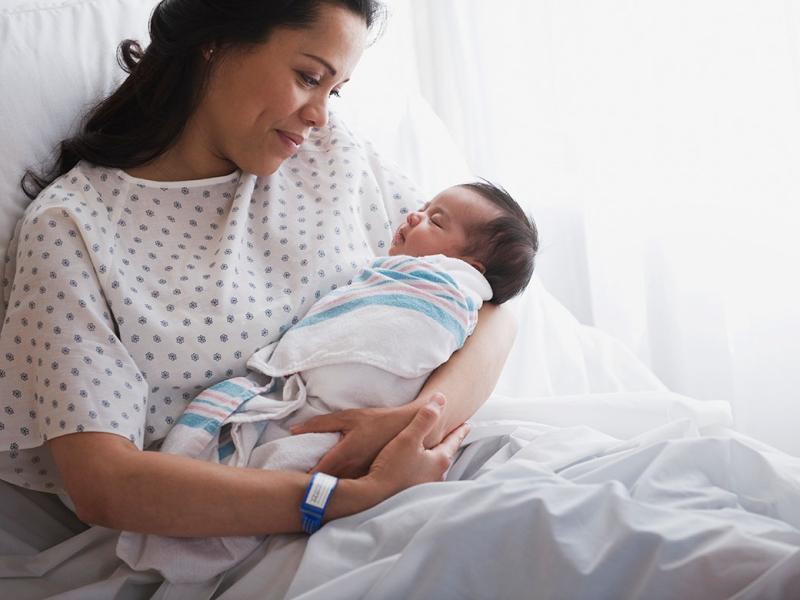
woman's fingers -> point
(329, 463)
(425, 419)
(405, 461)
(335, 463)
(452, 442)
(321, 424)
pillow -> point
(59, 57)
(383, 102)
(555, 355)
(56, 59)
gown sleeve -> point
(63, 368)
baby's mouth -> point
(399, 237)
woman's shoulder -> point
(74, 189)
(79, 202)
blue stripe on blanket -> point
(428, 275)
(396, 301)
(234, 390)
(468, 304)
(226, 450)
(436, 276)
(452, 299)
(196, 421)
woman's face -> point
(261, 103)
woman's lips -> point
(292, 141)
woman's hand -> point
(405, 461)
(365, 431)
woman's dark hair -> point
(149, 110)
(506, 246)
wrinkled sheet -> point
(628, 495)
(574, 513)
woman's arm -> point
(114, 484)
(466, 380)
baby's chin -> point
(398, 251)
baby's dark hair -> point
(506, 246)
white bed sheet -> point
(631, 494)
(575, 514)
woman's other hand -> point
(365, 431)
(405, 461)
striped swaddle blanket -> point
(405, 315)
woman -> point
(138, 264)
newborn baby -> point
(375, 341)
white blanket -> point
(619, 495)
(575, 513)
(372, 342)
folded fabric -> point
(393, 299)
(372, 342)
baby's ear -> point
(475, 263)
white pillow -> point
(59, 57)
(56, 59)
(383, 103)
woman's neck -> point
(188, 159)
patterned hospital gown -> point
(129, 297)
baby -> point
(372, 342)
(375, 341)
(480, 224)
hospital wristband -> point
(318, 493)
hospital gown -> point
(128, 297)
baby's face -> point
(442, 226)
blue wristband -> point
(318, 493)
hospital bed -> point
(592, 481)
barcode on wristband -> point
(320, 490)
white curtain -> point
(657, 144)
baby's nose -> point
(413, 218)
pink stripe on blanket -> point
(403, 288)
(207, 411)
(220, 397)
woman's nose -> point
(315, 112)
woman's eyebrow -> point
(323, 62)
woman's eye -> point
(309, 80)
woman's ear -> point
(208, 53)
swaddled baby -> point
(372, 342)
(375, 341)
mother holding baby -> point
(158, 258)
